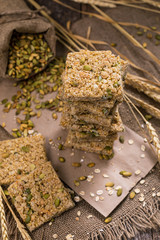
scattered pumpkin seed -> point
(76, 164)
(90, 165)
(26, 148)
(119, 192)
(125, 173)
(82, 178)
(108, 220)
(3, 124)
(76, 183)
(19, 171)
(132, 195)
(54, 116)
(61, 147)
(109, 184)
(121, 139)
(62, 159)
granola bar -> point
(77, 108)
(98, 130)
(102, 147)
(93, 75)
(40, 196)
(68, 119)
(20, 156)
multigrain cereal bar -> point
(68, 119)
(95, 146)
(19, 157)
(40, 196)
(93, 75)
(77, 108)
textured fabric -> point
(15, 15)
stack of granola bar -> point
(92, 90)
(34, 186)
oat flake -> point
(137, 172)
(97, 198)
(101, 198)
(79, 213)
(77, 198)
(142, 181)
(142, 155)
(99, 192)
(89, 216)
(110, 192)
(158, 194)
(55, 236)
(137, 190)
(92, 194)
(130, 141)
(143, 148)
(82, 193)
(97, 170)
(141, 199)
(105, 175)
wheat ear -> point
(3, 220)
(20, 226)
(152, 132)
(153, 3)
(155, 112)
(140, 83)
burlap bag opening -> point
(15, 15)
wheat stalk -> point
(149, 108)
(20, 226)
(97, 2)
(3, 219)
(153, 3)
(126, 34)
(152, 132)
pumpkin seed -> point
(76, 164)
(87, 67)
(82, 178)
(5, 155)
(119, 192)
(28, 219)
(57, 202)
(26, 148)
(132, 195)
(121, 139)
(76, 183)
(109, 184)
(90, 165)
(46, 196)
(42, 175)
(108, 220)
(62, 159)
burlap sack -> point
(16, 15)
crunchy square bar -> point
(20, 156)
(93, 75)
(40, 196)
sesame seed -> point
(158, 194)
(142, 155)
(79, 213)
(153, 194)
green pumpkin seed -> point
(119, 192)
(109, 184)
(90, 165)
(62, 159)
(28, 219)
(132, 195)
(57, 202)
(108, 220)
(87, 67)
(76, 164)
(46, 196)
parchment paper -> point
(127, 157)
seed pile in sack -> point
(27, 42)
